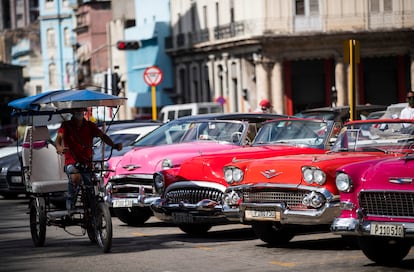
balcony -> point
(229, 31)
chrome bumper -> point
(352, 226)
(130, 199)
(324, 215)
(205, 211)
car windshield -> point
(178, 131)
(222, 131)
(312, 133)
(377, 135)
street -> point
(157, 246)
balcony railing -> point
(228, 31)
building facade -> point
(57, 41)
(291, 52)
(92, 18)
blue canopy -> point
(66, 99)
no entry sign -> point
(153, 76)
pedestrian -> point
(408, 111)
(75, 140)
(264, 106)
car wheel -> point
(384, 251)
(195, 229)
(134, 216)
(272, 233)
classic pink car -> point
(129, 190)
(280, 196)
(191, 194)
(377, 202)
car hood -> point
(391, 174)
(149, 159)
(8, 150)
(210, 167)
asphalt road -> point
(160, 247)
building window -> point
(49, 3)
(67, 35)
(307, 7)
(381, 6)
(300, 7)
(232, 11)
(313, 7)
(193, 16)
(375, 6)
(180, 27)
(52, 75)
(387, 5)
(205, 16)
(217, 14)
(51, 37)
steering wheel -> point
(236, 136)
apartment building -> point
(291, 52)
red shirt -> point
(78, 141)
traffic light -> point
(128, 45)
(116, 84)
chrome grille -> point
(398, 204)
(193, 195)
(293, 199)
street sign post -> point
(153, 77)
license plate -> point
(391, 230)
(122, 203)
(183, 218)
(262, 215)
(16, 179)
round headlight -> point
(237, 175)
(167, 164)
(343, 182)
(319, 176)
(307, 174)
(228, 175)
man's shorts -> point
(71, 169)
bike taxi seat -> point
(43, 167)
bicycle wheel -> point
(103, 227)
(38, 221)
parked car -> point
(288, 194)
(340, 113)
(191, 194)
(171, 112)
(129, 189)
(125, 133)
(11, 182)
(377, 207)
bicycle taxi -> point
(43, 169)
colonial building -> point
(291, 52)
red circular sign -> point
(153, 76)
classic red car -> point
(377, 202)
(280, 196)
(129, 190)
(191, 194)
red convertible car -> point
(377, 202)
(285, 195)
(191, 194)
(129, 190)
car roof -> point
(340, 113)
(231, 116)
